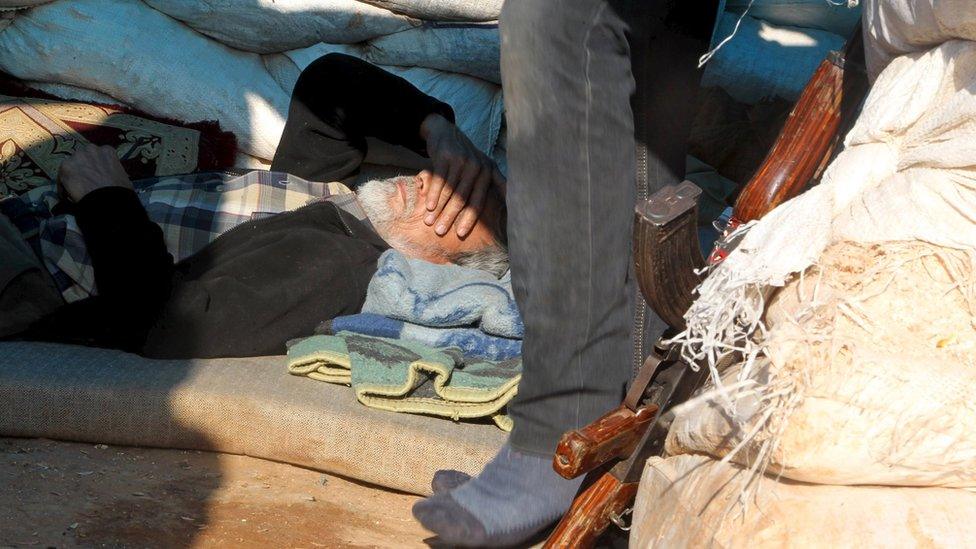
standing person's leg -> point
(567, 78)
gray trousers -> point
(599, 96)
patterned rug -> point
(37, 133)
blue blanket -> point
(472, 341)
(439, 305)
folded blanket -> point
(404, 376)
(443, 296)
(473, 342)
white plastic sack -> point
(269, 26)
(445, 10)
(836, 16)
(868, 380)
(471, 49)
(897, 27)
(906, 177)
(764, 60)
(145, 59)
(478, 105)
(692, 501)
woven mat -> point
(248, 406)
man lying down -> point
(274, 279)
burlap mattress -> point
(249, 406)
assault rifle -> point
(613, 449)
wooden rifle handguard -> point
(806, 142)
(611, 436)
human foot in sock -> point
(515, 497)
(446, 480)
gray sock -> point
(514, 498)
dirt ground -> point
(57, 494)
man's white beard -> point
(376, 199)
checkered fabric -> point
(192, 211)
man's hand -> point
(461, 178)
(91, 168)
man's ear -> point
(423, 182)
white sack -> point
(916, 129)
(478, 105)
(897, 27)
(268, 26)
(692, 501)
(906, 176)
(764, 60)
(836, 16)
(134, 53)
(444, 10)
(464, 48)
(869, 378)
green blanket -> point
(404, 376)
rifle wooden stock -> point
(613, 435)
(590, 513)
(806, 142)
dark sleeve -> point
(338, 102)
(133, 273)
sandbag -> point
(269, 26)
(693, 501)
(464, 48)
(897, 27)
(444, 10)
(838, 17)
(763, 60)
(478, 105)
(868, 378)
(905, 191)
(136, 54)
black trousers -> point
(599, 96)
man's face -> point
(397, 208)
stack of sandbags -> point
(145, 59)
(853, 307)
(201, 60)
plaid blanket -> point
(192, 211)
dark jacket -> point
(266, 281)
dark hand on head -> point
(90, 168)
(462, 177)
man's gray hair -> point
(492, 258)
